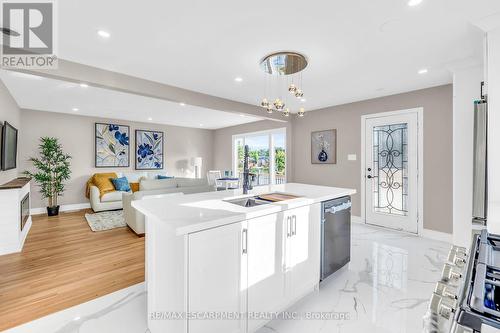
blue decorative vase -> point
(323, 156)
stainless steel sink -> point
(248, 202)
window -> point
(267, 151)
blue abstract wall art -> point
(149, 150)
(112, 145)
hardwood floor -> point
(64, 263)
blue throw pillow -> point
(121, 184)
(164, 177)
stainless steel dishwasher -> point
(335, 235)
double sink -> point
(248, 202)
(258, 200)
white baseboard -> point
(436, 235)
(425, 233)
(63, 208)
(356, 219)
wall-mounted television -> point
(8, 159)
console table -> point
(15, 219)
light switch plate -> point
(352, 157)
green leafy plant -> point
(53, 168)
(280, 156)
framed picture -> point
(324, 147)
(148, 150)
(112, 146)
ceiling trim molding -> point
(463, 64)
(79, 73)
(488, 23)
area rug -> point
(106, 220)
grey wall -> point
(76, 133)
(223, 142)
(437, 103)
(9, 111)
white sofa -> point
(113, 200)
(109, 201)
(151, 187)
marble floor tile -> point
(385, 288)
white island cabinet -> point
(217, 274)
(283, 260)
(216, 267)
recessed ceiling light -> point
(423, 71)
(150, 118)
(201, 125)
(103, 34)
(75, 109)
(242, 115)
(413, 3)
(303, 100)
(84, 85)
(182, 104)
(238, 79)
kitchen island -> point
(221, 262)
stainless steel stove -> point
(467, 299)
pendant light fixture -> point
(283, 82)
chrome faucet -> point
(247, 183)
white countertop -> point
(196, 212)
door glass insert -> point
(240, 149)
(279, 158)
(259, 159)
(390, 169)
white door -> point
(391, 171)
(266, 274)
(303, 249)
(217, 278)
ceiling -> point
(356, 49)
(44, 94)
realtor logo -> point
(28, 35)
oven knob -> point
(456, 258)
(450, 273)
(459, 249)
(442, 306)
(446, 311)
(445, 290)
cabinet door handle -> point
(294, 225)
(244, 241)
(288, 226)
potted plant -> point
(52, 170)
